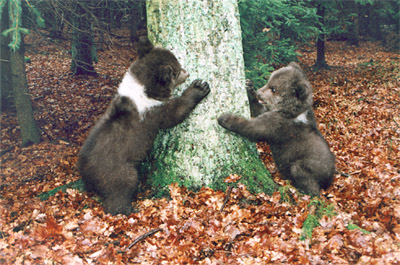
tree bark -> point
(353, 8)
(205, 36)
(321, 62)
(137, 19)
(5, 66)
(29, 130)
(83, 50)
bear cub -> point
(122, 138)
(284, 118)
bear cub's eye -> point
(273, 90)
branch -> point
(228, 194)
(344, 174)
(144, 236)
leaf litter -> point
(356, 104)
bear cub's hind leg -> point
(120, 192)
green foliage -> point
(270, 31)
(308, 226)
(354, 226)
(15, 12)
(376, 19)
(78, 185)
(258, 179)
(322, 208)
(38, 17)
(333, 22)
(367, 64)
(285, 192)
(364, 2)
(312, 220)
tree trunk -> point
(29, 130)
(374, 22)
(137, 19)
(83, 50)
(354, 27)
(57, 26)
(5, 66)
(321, 62)
(206, 38)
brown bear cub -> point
(285, 119)
(124, 135)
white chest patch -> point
(131, 88)
(302, 118)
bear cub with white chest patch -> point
(122, 138)
(284, 118)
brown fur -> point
(123, 137)
(285, 119)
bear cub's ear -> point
(300, 86)
(166, 73)
(295, 65)
(301, 89)
(144, 47)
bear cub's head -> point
(287, 91)
(158, 70)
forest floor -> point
(357, 105)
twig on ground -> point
(344, 174)
(228, 194)
(144, 236)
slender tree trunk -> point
(5, 66)
(137, 19)
(29, 130)
(206, 38)
(321, 62)
(374, 24)
(83, 50)
(354, 26)
(57, 26)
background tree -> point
(90, 24)
(206, 38)
(5, 66)
(380, 20)
(82, 46)
(320, 63)
(29, 130)
(354, 14)
(354, 20)
(54, 18)
(137, 19)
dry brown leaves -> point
(357, 106)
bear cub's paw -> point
(249, 85)
(199, 89)
(251, 91)
(227, 120)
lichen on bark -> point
(205, 36)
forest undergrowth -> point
(356, 220)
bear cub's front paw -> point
(226, 120)
(200, 88)
(249, 84)
(251, 91)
